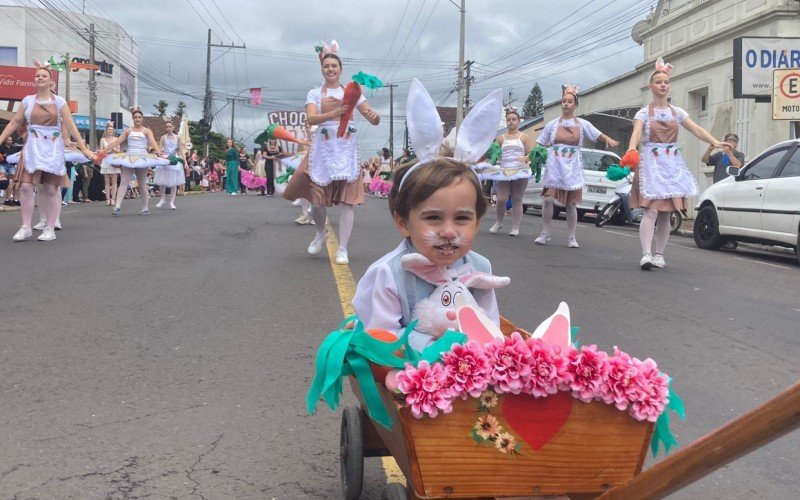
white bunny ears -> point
(426, 133)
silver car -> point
(597, 190)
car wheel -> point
(706, 229)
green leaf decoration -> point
(58, 62)
(174, 160)
(663, 434)
(371, 82)
(318, 48)
(284, 178)
(616, 173)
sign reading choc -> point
(293, 121)
(754, 60)
(17, 82)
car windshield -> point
(598, 160)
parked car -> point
(597, 190)
(758, 203)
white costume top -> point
(511, 167)
(387, 294)
(332, 158)
(44, 148)
(660, 114)
(564, 166)
(106, 168)
(170, 175)
(136, 156)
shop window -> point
(699, 101)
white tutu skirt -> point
(73, 156)
(135, 160)
(169, 176)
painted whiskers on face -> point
(434, 240)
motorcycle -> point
(618, 211)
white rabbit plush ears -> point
(426, 133)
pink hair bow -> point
(569, 89)
(324, 49)
(662, 66)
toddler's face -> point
(443, 227)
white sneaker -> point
(58, 225)
(234, 194)
(172, 206)
(301, 220)
(160, 204)
(572, 243)
(658, 261)
(23, 234)
(317, 242)
(514, 232)
(647, 262)
(495, 227)
(47, 235)
(542, 238)
(41, 225)
(341, 256)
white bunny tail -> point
(479, 128)
(424, 124)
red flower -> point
(622, 385)
(425, 388)
(653, 391)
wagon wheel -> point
(351, 452)
(394, 491)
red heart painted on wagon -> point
(537, 420)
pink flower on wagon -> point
(548, 368)
(587, 371)
(653, 391)
(467, 369)
(426, 389)
(510, 360)
(623, 384)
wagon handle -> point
(778, 416)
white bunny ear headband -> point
(426, 133)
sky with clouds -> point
(513, 44)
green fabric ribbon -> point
(433, 353)
(538, 156)
(174, 160)
(662, 433)
(346, 352)
(371, 82)
(616, 173)
(284, 178)
(494, 153)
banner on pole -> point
(255, 96)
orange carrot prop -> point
(351, 94)
(99, 157)
(630, 159)
(276, 131)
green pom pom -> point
(371, 82)
(318, 48)
(494, 153)
(174, 160)
(616, 173)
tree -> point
(216, 142)
(161, 108)
(534, 104)
(180, 109)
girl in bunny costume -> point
(563, 175)
(662, 182)
(436, 205)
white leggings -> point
(125, 179)
(547, 216)
(654, 223)
(49, 203)
(517, 190)
(347, 217)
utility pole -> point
(66, 79)
(467, 81)
(232, 101)
(391, 87)
(92, 91)
(460, 103)
(208, 117)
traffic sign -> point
(786, 94)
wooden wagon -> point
(565, 447)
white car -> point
(758, 203)
(597, 190)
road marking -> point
(763, 263)
(68, 211)
(346, 286)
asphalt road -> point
(168, 356)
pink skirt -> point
(301, 186)
(563, 196)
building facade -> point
(27, 34)
(696, 37)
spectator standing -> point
(728, 156)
